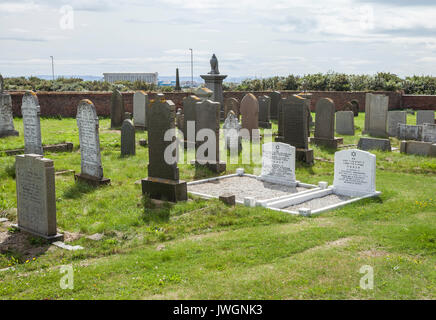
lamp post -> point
(52, 67)
(192, 68)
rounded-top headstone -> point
(128, 143)
(250, 112)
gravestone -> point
(117, 109)
(278, 164)
(140, 103)
(264, 112)
(325, 124)
(429, 132)
(308, 99)
(231, 128)
(163, 174)
(409, 132)
(89, 138)
(231, 104)
(189, 120)
(128, 143)
(275, 99)
(395, 118)
(376, 113)
(203, 93)
(354, 173)
(295, 133)
(36, 196)
(424, 116)
(374, 144)
(355, 107)
(31, 111)
(214, 81)
(6, 117)
(208, 117)
(250, 114)
(179, 119)
(418, 148)
(345, 122)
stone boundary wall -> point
(65, 103)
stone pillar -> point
(214, 81)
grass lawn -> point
(205, 250)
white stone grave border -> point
(240, 173)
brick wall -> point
(65, 103)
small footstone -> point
(95, 236)
(249, 202)
(304, 212)
(228, 199)
(65, 246)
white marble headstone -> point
(354, 172)
(31, 110)
(87, 121)
(140, 102)
(278, 164)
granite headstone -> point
(31, 111)
(345, 122)
(128, 143)
(117, 109)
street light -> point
(52, 67)
(192, 68)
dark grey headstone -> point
(395, 118)
(429, 132)
(117, 109)
(325, 119)
(189, 114)
(425, 116)
(374, 144)
(162, 118)
(264, 111)
(128, 143)
(345, 122)
(295, 120)
(275, 99)
(231, 104)
(409, 132)
(6, 116)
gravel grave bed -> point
(243, 187)
(318, 203)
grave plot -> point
(354, 179)
(277, 180)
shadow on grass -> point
(10, 171)
(155, 211)
(78, 189)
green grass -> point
(205, 250)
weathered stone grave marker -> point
(189, 120)
(264, 112)
(395, 118)
(31, 111)
(232, 138)
(117, 109)
(163, 174)
(231, 104)
(325, 124)
(409, 132)
(345, 122)
(374, 144)
(424, 116)
(275, 100)
(278, 164)
(429, 132)
(250, 114)
(88, 124)
(36, 196)
(6, 117)
(128, 142)
(376, 113)
(140, 103)
(207, 140)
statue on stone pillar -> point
(214, 65)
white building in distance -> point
(134, 76)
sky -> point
(251, 38)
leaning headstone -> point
(140, 103)
(250, 114)
(208, 118)
(429, 132)
(325, 124)
(36, 196)
(409, 132)
(31, 111)
(231, 104)
(275, 99)
(278, 164)
(374, 144)
(232, 138)
(345, 122)
(6, 117)
(189, 120)
(295, 131)
(163, 174)
(354, 173)
(117, 109)
(128, 143)
(376, 113)
(418, 148)
(89, 138)
(395, 118)
(424, 116)
(264, 112)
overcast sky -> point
(250, 37)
